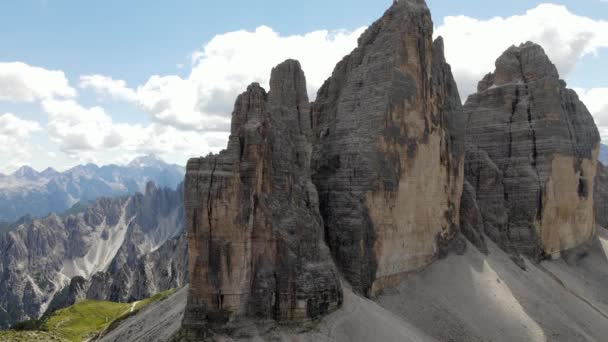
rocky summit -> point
(531, 157)
(385, 122)
(381, 174)
(255, 234)
(385, 125)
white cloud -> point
(473, 45)
(14, 140)
(74, 127)
(90, 135)
(20, 82)
(190, 115)
(203, 101)
(103, 85)
(12, 126)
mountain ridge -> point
(122, 249)
(29, 192)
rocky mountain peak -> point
(525, 63)
(250, 105)
(149, 160)
(254, 229)
(26, 172)
(49, 172)
(288, 84)
(150, 188)
(381, 123)
(527, 133)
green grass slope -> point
(79, 322)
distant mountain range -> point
(121, 249)
(28, 192)
(603, 157)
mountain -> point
(384, 210)
(121, 249)
(603, 156)
(28, 192)
(472, 297)
(392, 175)
(346, 165)
(259, 192)
(531, 147)
(601, 196)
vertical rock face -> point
(255, 235)
(388, 158)
(601, 196)
(531, 155)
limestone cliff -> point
(255, 234)
(601, 196)
(388, 153)
(531, 156)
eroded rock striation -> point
(388, 154)
(531, 156)
(255, 234)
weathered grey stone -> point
(125, 249)
(471, 221)
(387, 159)
(69, 295)
(600, 196)
(153, 256)
(531, 156)
(255, 235)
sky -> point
(107, 81)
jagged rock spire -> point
(255, 235)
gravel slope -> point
(462, 298)
(478, 298)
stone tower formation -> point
(380, 175)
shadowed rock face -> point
(601, 196)
(255, 238)
(388, 153)
(531, 156)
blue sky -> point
(132, 41)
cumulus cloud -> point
(74, 127)
(103, 85)
(222, 69)
(14, 140)
(12, 126)
(472, 45)
(90, 134)
(20, 82)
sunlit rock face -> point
(531, 156)
(255, 234)
(388, 158)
